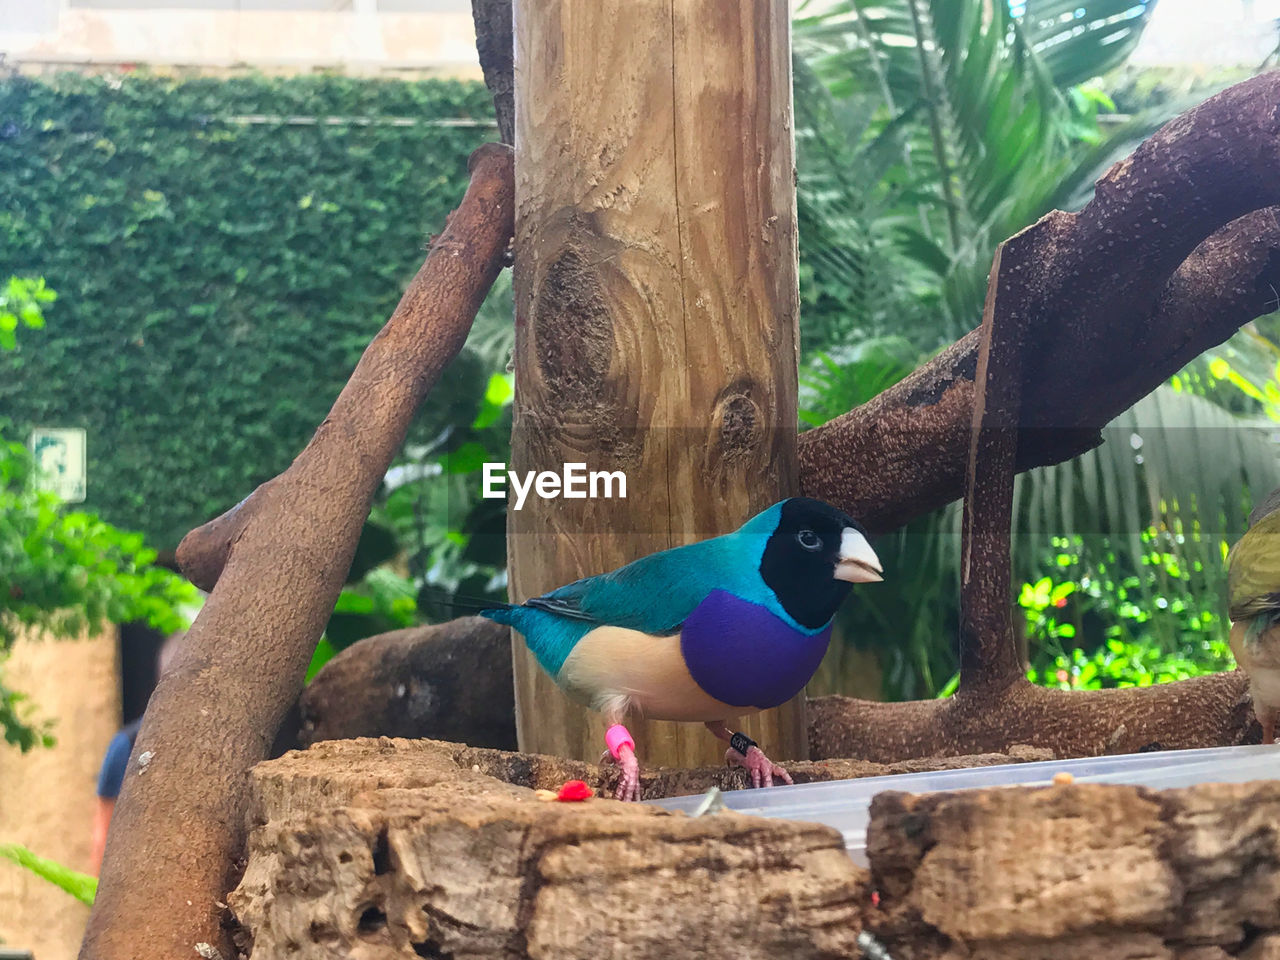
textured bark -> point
(656, 307)
(382, 849)
(446, 682)
(179, 824)
(392, 848)
(1078, 872)
(1149, 274)
(989, 654)
(495, 46)
(1209, 711)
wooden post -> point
(656, 306)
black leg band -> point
(742, 743)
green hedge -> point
(217, 278)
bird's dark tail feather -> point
(468, 605)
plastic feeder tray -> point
(844, 804)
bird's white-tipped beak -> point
(857, 562)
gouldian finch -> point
(1253, 587)
(706, 632)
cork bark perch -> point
(396, 849)
(1176, 251)
(276, 564)
(387, 849)
(1078, 872)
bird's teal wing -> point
(654, 594)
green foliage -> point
(80, 885)
(221, 266)
(456, 540)
(961, 124)
(834, 383)
(20, 302)
(65, 570)
(1092, 633)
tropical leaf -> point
(80, 885)
(836, 382)
(987, 105)
(1081, 39)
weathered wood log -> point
(450, 681)
(279, 561)
(1078, 872)
(1148, 275)
(384, 849)
(1202, 712)
(656, 306)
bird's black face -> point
(813, 557)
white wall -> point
(360, 36)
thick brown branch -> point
(449, 681)
(988, 651)
(1149, 274)
(203, 552)
(496, 48)
(1210, 711)
(179, 825)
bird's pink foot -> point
(629, 778)
(762, 769)
(622, 750)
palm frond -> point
(996, 127)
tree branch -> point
(1148, 275)
(448, 681)
(496, 48)
(282, 557)
(1209, 711)
(988, 650)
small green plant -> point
(64, 571)
(80, 885)
(1096, 630)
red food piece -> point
(574, 791)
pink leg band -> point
(617, 737)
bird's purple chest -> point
(744, 655)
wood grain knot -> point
(738, 421)
(573, 331)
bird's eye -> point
(809, 540)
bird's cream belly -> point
(1261, 661)
(611, 663)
